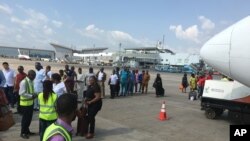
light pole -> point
(120, 45)
(93, 57)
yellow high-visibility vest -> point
(47, 110)
(54, 129)
(29, 89)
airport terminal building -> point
(12, 52)
(86, 55)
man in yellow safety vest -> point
(61, 130)
(46, 100)
(27, 96)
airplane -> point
(228, 52)
(23, 57)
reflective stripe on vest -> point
(54, 129)
(30, 90)
(47, 110)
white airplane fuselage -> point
(229, 51)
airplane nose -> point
(216, 51)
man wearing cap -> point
(38, 82)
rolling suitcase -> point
(82, 126)
(162, 92)
(192, 95)
(82, 122)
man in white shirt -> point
(113, 82)
(101, 77)
(27, 96)
(48, 73)
(38, 82)
(80, 83)
(58, 85)
(9, 75)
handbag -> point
(82, 112)
(154, 84)
(181, 87)
(82, 127)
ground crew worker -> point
(27, 96)
(46, 101)
(61, 130)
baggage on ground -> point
(192, 95)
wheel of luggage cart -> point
(210, 113)
(219, 112)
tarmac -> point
(135, 118)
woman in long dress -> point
(158, 85)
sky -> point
(179, 25)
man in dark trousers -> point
(101, 77)
(27, 96)
(9, 75)
(19, 77)
(117, 71)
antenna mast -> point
(163, 41)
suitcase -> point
(82, 128)
(192, 95)
(162, 92)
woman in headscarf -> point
(158, 85)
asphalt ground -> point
(135, 118)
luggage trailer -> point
(233, 96)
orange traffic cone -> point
(163, 114)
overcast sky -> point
(186, 24)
